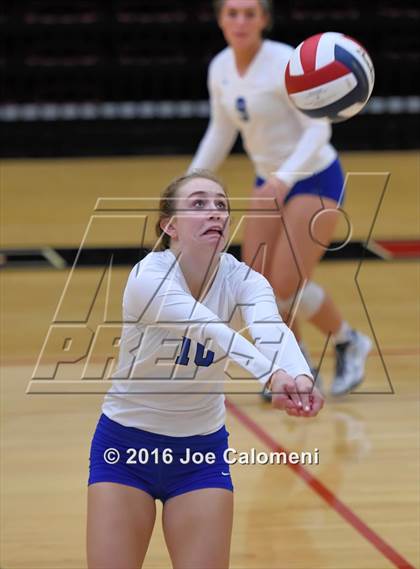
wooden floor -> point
(357, 509)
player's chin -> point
(217, 240)
(242, 40)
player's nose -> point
(214, 213)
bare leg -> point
(119, 526)
(328, 318)
(262, 229)
(267, 249)
(198, 527)
(297, 254)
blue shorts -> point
(328, 183)
(152, 462)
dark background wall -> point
(86, 77)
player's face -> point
(242, 23)
(202, 215)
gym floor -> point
(357, 509)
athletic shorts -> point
(161, 465)
(328, 183)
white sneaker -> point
(350, 363)
(266, 395)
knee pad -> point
(310, 301)
(285, 305)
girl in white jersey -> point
(181, 309)
(294, 164)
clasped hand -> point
(299, 397)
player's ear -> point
(167, 226)
(266, 20)
(218, 7)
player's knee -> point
(286, 285)
(311, 300)
(307, 303)
(284, 305)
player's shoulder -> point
(277, 50)
(156, 261)
(220, 60)
(237, 272)
(231, 265)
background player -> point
(187, 291)
(294, 163)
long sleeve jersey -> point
(174, 350)
(278, 138)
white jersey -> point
(174, 350)
(279, 139)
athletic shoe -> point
(350, 363)
(266, 395)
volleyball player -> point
(181, 309)
(294, 163)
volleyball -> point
(330, 75)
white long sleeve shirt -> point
(278, 139)
(174, 350)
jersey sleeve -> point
(157, 297)
(220, 134)
(271, 335)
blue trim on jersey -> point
(328, 183)
(162, 481)
(240, 105)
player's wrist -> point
(277, 375)
(306, 376)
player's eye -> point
(198, 203)
(221, 204)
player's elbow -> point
(324, 131)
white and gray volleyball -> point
(330, 75)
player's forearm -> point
(173, 308)
(278, 343)
(213, 149)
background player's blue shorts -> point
(328, 183)
(148, 470)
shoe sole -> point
(367, 347)
(266, 396)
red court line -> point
(401, 249)
(318, 487)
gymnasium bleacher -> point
(85, 77)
